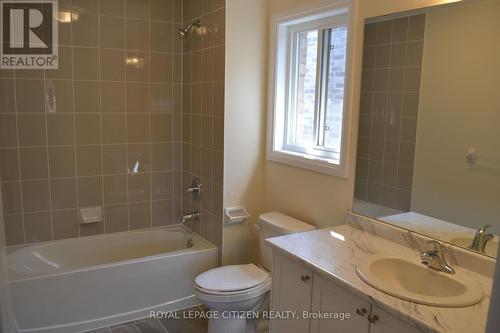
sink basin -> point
(491, 247)
(417, 283)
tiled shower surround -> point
(106, 128)
(390, 89)
(203, 114)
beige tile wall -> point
(392, 63)
(203, 113)
(99, 131)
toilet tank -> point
(277, 224)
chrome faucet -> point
(190, 217)
(435, 258)
(480, 239)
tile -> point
(9, 164)
(400, 29)
(161, 157)
(162, 212)
(62, 162)
(161, 127)
(138, 128)
(87, 96)
(35, 194)
(383, 31)
(162, 36)
(416, 27)
(63, 193)
(14, 231)
(162, 185)
(88, 129)
(161, 67)
(403, 200)
(367, 78)
(139, 188)
(137, 34)
(396, 79)
(405, 178)
(138, 158)
(368, 57)
(112, 31)
(391, 149)
(114, 159)
(113, 97)
(32, 130)
(85, 30)
(85, 60)
(88, 160)
(112, 7)
(115, 189)
(381, 80)
(137, 66)
(410, 104)
(113, 128)
(91, 229)
(409, 129)
(116, 218)
(60, 129)
(388, 197)
(59, 96)
(65, 65)
(8, 132)
(414, 52)
(392, 128)
(11, 196)
(389, 175)
(370, 34)
(161, 97)
(378, 127)
(394, 104)
(177, 11)
(65, 223)
(373, 192)
(89, 191)
(376, 149)
(7, 96)
(37, 227)
(398, 54)
(162, 10)
(86, 6)
(406, 153)
(218, 139)
(30, 96)
(137, 8)
(139, 215)
(375, 171)
(112, 65)
(382, 56)
(138, 95)
(33, 163)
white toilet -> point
(243, 287)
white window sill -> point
(307, 162)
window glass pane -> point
(335, 88)
(305, 91)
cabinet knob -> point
(373, 319)
(305, 278)
(361, 312)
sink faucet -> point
(435, 258)
(190, 217)
(480, 239)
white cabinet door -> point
(386, 323)
(329, 298)
(291, 291)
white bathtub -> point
(85, 283)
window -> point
(307, 118)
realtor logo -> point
(29, 35)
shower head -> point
(183, 32)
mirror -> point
(428, 154)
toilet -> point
(244, 287)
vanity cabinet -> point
(296, 288)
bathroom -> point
(321, 166)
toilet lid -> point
(232, 278)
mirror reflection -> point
(429, 129)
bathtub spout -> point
(190, 217)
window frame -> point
(284, 26)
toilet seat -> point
(232, 283)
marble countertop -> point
(327, 254)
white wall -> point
(459, 109)
(246, 54)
